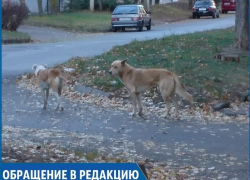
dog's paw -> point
(132, 113)
(140, 113)
(61, 108)
(165, 115)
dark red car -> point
(228, 5)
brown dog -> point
(46, 79)
(139, 80)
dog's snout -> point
(110, 72)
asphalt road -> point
(17, 59)
(216, 148)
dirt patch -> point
(172, 12)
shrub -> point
(76, 5)
(13, 14)
(107, 5)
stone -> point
(89, 90)
(220, 106)
(228, 57)
(143, 169)
(244, 96)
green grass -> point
(87, 21)
(83, 21)
(13, 35)
(190, 56)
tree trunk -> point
(190, 4)
(47, 6)
(91, 5)
(54, 6)
(22, 1)
(242, 24)
(40, 7)
(147, 5)
(100, 5)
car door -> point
(144, 15)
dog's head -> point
(37, 68)
(117, 67)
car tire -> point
(140, 28)
(198, 17)
(194, 16)
(123, 28)
(114, 29)
(223, 12)
(226, 12)
(214, 15)
(149, 25)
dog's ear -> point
(34, 66)
(123, 62)
(44, 65)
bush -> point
(107, 5)
(76, 5)
(13, 14)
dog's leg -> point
(46, 96)
(133, 97)
(175, 105)
(58, 101)
(165, 96)
(56, 88)
(44, 100)
(168, 106)
(138, 96)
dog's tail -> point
(180, 90)
(56, 80)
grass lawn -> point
(13, 36)
(87, 21)
(82, 21)
(191, 56)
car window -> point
(142, 10)
(200, 3)
(126, 10)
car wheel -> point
(114, 29)
(223, 12)
(149, 25)
(214, 15)
(123, 28)
(226, 12)
(194, 16)
(198, 17)
(141, 27)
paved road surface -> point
(216, 149)
(17, 59)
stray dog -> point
(46, 79)
(139, 80)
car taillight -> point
(194, 9)
(210, 9)
(136, 18)
(114, 19)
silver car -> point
(130, 16)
